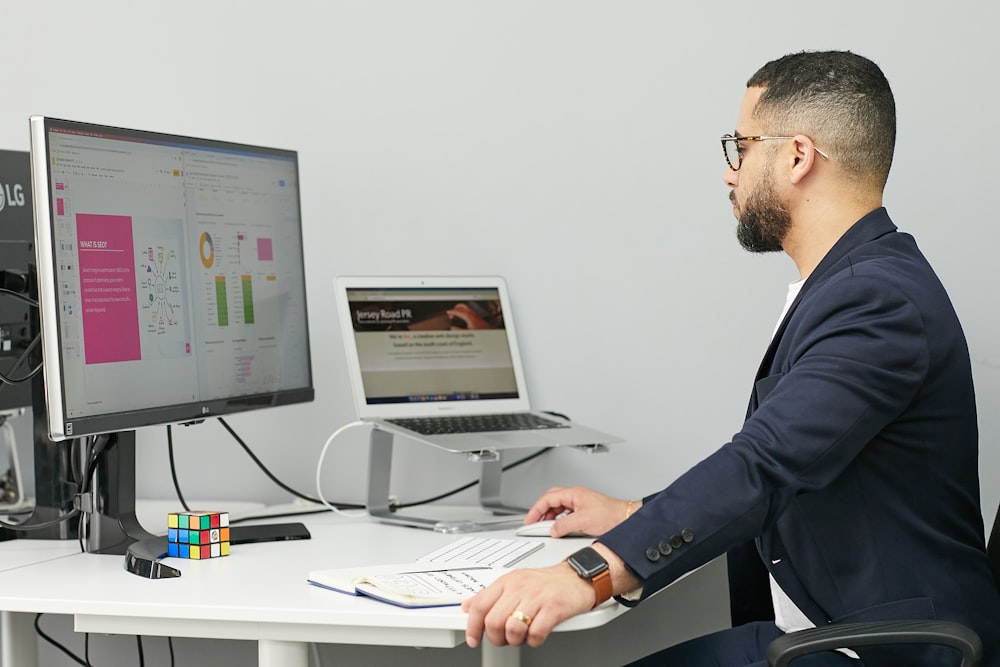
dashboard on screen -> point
(170, 276)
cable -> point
(260, 464)
(319, 468)
(43, 635)
(173, 469)
(22, 285)
(81, 524)
(45, 524)
(99, 445)
(20, 360)
(282, 515)
(399, 506)
(19, 296)
(267, 472)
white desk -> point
(258, 593)
(15, 556)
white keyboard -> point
(494, 552)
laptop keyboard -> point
(491, 551)
(516, 421)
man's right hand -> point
(579, 509)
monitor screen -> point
(433, 344)
(170, 277)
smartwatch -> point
(591, 566)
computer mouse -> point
(542, 529)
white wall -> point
(569, 145)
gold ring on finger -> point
(521, 616)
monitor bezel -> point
(52, 366)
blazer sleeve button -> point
(676, 541)
(665, 548)
(652, 554)
(687, 535)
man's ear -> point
(803, 158)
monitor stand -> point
(113, 525)
(380, 508)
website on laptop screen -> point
(431, 344)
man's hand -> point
(524, 605)
(544, 598)
(580, 509)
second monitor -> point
(171, 278)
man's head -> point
(840, 99)
(809, 113)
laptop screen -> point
(431, 344)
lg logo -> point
(11, 196)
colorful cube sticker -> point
(198, 535)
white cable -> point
(314, 650)
(319, 470)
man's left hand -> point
(523, 606)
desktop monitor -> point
(171, 280)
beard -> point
(763, 220)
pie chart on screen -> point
(206, 248)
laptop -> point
(427, 352)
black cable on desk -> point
(399, 506)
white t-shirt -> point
(787, 616)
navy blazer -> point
(856, 470)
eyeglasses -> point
(733, 149)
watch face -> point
(588, 563)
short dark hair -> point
(840, 99)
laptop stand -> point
(380, 509)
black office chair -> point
(786, 648)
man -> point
(856, 470)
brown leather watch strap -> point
(602, 587)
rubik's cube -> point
(198, 535)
